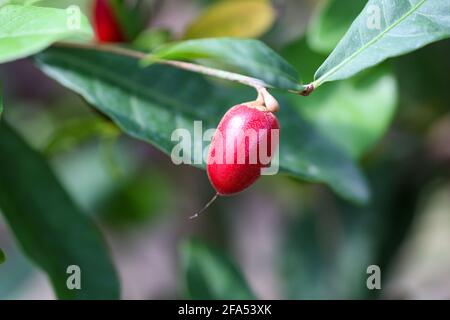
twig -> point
(248, 81)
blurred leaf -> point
(49, 227)
(151, 103)
(2, 257)
(148, 40)
(326, 252)
(328, 248)
(25, 30)
(84, 5)
(76, 131)
(248, 57)
(232, 18)
(302, 58)
(404, 26)
(132, 15)
(330, 23)
(139, 199)
(86, 174)
(209, 274)
(423, 86)
(19, 2)
(306, 154)
(303, 263)
(354, 113)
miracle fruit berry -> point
(107, 28)
(241, 147)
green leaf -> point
(19, 2)
(248, 57)
(330, 22)
(404, 26)
(25, 30)
(209, 274)
(151, 103)
(148, 40)
(50, 228)
(76, 131)
(243, 19)
(2, 256)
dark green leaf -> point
(151, 103)
(316, 265)
(209, 274)
(1, 101)
(25, 30)
(248, 57)
(49, 227)
(386, 29)
(2, 257)
(329, 246)
(132, 15)
(331, 21)
(139, 199)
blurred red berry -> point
(107, 28)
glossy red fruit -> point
(234, 140)
(107, 28)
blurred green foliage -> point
(330, 22)
(51, 230)
(142, 198)
(209, 274)
(387, 124)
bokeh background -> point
(290, 240)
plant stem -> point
(231, 76)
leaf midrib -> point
(332, 71)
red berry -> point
(241, 146)
(107, 28)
